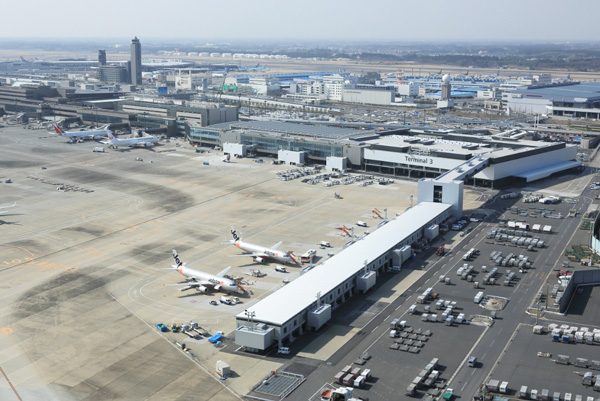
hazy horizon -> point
(468, 21)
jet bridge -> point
(448, 187)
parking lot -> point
(530, 360)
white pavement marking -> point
(468, 355)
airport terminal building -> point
(306, 304)
(414, 153)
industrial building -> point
(309, 300)
(570, 99)
(402, 152)
(381, 96)
(112, 74)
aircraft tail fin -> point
(178, 261)
(57, 129)
(235, 235)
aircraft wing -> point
(195, 283)
(254, 255)
(223, 272)
(277, 245)
(2, 207)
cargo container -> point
(348, 380)
(338, 377)
(492, 385)
(359, 382)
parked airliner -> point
(204, 282)
(260, 254)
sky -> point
(310, 20)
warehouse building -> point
(310, 299)
(572, 99)
(382, 96)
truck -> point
(339, 394)
(225, 300)
(504, 387)
(308, 256)
(448, 394)
(478, 297)
(523, 392)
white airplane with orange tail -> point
(204, 282)
(101, 132)
(261, 254)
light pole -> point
(250, 316)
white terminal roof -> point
(498, 146)
(429, 143)
(285, 303)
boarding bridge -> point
(448, 187)
(466, 170)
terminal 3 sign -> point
(418, 159)
(401, 158)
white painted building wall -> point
(410, 159)
(291, 157)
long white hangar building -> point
(307, 302)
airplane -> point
(144, 141)
(204, 282)
(87, 134)
(261, 254)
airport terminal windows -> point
(204, 135)
(273, 144)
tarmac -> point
(83, 258)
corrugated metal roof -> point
(543, 172)
(585, 90)
(313, 130)
(285, 303)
